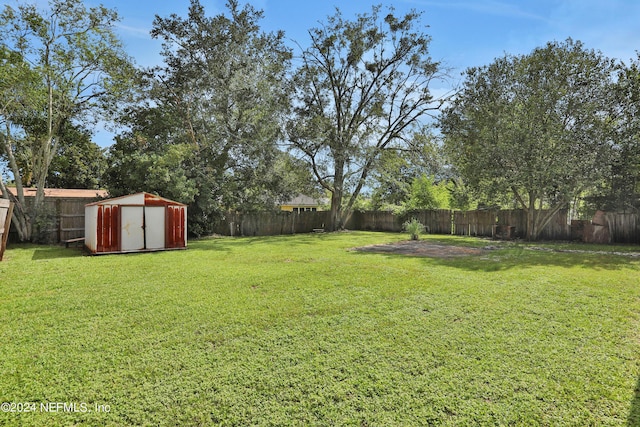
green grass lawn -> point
(299, 330)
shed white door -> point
(154, 226)
(132, 228)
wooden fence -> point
(271, 223)
(61, 219)
(436, 221)
(624, 227)
(65, 220)
(482, 223)
(620, 228)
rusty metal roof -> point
(147, 199)
(63, 193)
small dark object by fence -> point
(79, 241)
(504, 232)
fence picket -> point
(624, 227)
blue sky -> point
(464, 33)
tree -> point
(79, 162)
(538, 126)
(18, 86)
(75, 70)
(397, 169)
(218, 100)
(362, 87)
(426, 194)
(460, 197)
(622, 188)
(134, 166)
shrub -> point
(414, 228)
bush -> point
(426, 194)
(414, 228)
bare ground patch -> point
(423, 248)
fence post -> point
(58, 220)
(6, 211)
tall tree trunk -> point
(336, 195)
(336, 211)
(346, 214)
(531, 217)
(530, 209)
(21, 218)
(40, 174)
(41, 166)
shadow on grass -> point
(226, 243)
(519, 258)
(55, 252)
(506, 259)
(634, 413)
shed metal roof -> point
(148, 197)
(62, 193)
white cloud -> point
(489, 7)
(138, 32)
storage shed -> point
(135, 223)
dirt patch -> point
(423, 248)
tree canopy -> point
(362, 87)
(208, 128)
(622, 187)
(537, 126)
(63, 65)
(232, 120)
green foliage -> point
(397, 169)
(460, 195)
(621, 189)
(426, 194)
(45, 221)
(79, 162)
(414, 228)
(212, 116)
(363, 203)
(300, 330)
(131, 170)
(536, 126)
(294, 177)
(392, 179)
(353, 100)
(70, 69)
